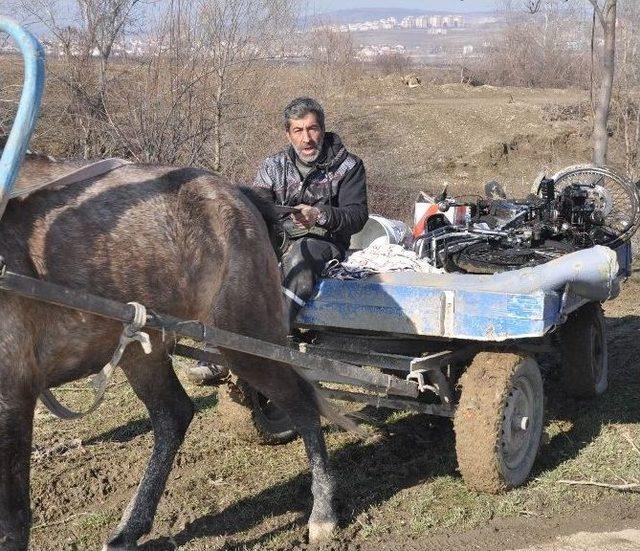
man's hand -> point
(306, 216)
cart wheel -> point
(499, 421)
(583, 343)
(252, 416)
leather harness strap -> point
(86, 172)
(99, 382)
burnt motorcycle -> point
(579, 207)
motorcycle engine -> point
(577, 213)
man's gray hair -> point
(301, 107)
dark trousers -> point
(302, 264)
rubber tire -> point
(583, 346)
(470, 265)
(479, 422)
(248, 415)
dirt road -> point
(625, 540)
(611, 525)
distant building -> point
(369, 53)
(408, 22)
(411, 22)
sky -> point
(439, 5)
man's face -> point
(306, 137)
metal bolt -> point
(521, 423)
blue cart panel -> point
(391, 305)
(429, 305)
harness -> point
(93, 170)
(131, 331)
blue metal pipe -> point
(28, 109)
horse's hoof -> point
(321, 531)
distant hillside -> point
(358, 15)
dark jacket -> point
(337, 185)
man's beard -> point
(310, 158)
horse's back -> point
(180, 241)
(139, 233)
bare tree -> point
(393, 63)
(158, 109)
(537, 51)
(332, 54)
(197, 93)
(605, 12)
(607, 17)
(239, 36)
(84, 31)
(626, 97)
(199, 96)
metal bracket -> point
(448, 313)
(439, 383)
(562, 317)
(418, 377)
(569, 303)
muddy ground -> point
(399, 489)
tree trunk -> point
(600, 132)
(217, 129)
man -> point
(325, 187)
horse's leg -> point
(250, 303)
(296, 396)
(323, 520)
(171, 411)
(17, 404)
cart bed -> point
(445, 305)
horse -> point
(181, 241)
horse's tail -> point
(263, 201)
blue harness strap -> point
(28, 108)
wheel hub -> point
(516, 424)
(520, 423)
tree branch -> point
(533, 5)
(627, 487)
(599, 12)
